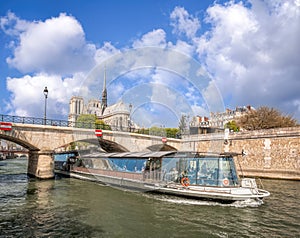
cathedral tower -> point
(104, 94)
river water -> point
(65, 207)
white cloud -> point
(182, 47)
(155, 38)
(106, 51)
(56, 45)
(28, 99)
(48, 51)
(252, 53)
(12, 25)
(183, 23)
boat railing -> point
(111, 173)
(251, 184)
(259, 183)
(154, 175)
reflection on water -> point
(73, 208)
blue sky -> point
(248, 52)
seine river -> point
(74, 208)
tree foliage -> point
(232, 126)
(86, 121)
(100, 124)
(158, 131)
(171, 132)
(91, 121)
(265, 118)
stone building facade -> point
(116, 115)
(219, 119)
(272, 153)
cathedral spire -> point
(104, 93)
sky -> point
(166, 58)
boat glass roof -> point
(130, 154)
(157, 154)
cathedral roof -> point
(118, 107)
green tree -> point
(86, 121)
(144, 131)
(232, 125)
(91, 121)
(100, 124)
(158, 131)
(265, 118)
(171, 132)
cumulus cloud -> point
(53, 53)
(184, 23)
(56, 45)
(182, 47)
(155, 38)
(252, 53)
(12, 25)
(28, 99)
(106, 51)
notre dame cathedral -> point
(116, 115)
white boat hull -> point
(226, 194)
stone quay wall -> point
(273, 153)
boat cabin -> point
(187, 168)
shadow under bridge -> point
(106, 145)
(111, 146)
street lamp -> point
(46, 96)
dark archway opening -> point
(161, 147)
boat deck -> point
(126, 175)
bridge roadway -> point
(42, 141)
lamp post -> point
(46, 96)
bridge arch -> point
(42, 141)
(12, 137)
(107, 145)
(40, 162)
(161, 147)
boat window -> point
(228, 174)
(170, 168)
(88, 163)
(200, 171)
(135, 165)
(128, 164)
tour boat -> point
(206, 176)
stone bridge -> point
(273, 153)
(42, 141)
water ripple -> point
(74, 208)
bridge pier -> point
(40, 164)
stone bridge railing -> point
(85, 125)
(42, 140)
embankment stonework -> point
(272, 153)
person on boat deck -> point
(203, 169)
(173, 174)
(182, 175)
(215, 174)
